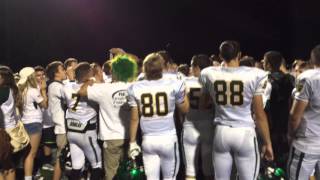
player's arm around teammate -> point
(81, 118)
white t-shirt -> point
(31, 110)
(8, 107)
(55, 106)
(114, 112)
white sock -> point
(28, 178)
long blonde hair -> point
(30, 83)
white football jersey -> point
(31, 110)
(79, 108)
(232, 90)
(156, 101)
(308, 134)
(193, 88)
(8, 107)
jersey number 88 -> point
(236, 92)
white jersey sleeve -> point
(303, 89)
(232, 90)
(267, 93)
(180, 92)
(131, 98)
(262, 84)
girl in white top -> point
(33, 100)
(9, 100)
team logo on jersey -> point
(299, 87)
(119, 98)
(265, 84)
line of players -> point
(227, 94)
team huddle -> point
(208, 115)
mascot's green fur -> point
(124, 68)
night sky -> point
(39, 31)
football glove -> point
(134, 150)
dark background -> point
(39, 31)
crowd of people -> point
(222, 116)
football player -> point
(155, 99)
(82, 125)
(198, 127)
(304, 127)
(235, 90)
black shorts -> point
(14, 159)
(48, 137)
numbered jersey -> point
(193, 88)
(156, 101)
(79, 108)
(232, 90)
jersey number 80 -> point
(148, 109)
(236, 92)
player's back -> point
(78, 107)
(193, 88)
(232, 89)
(156, 101)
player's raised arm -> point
(83, 90)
